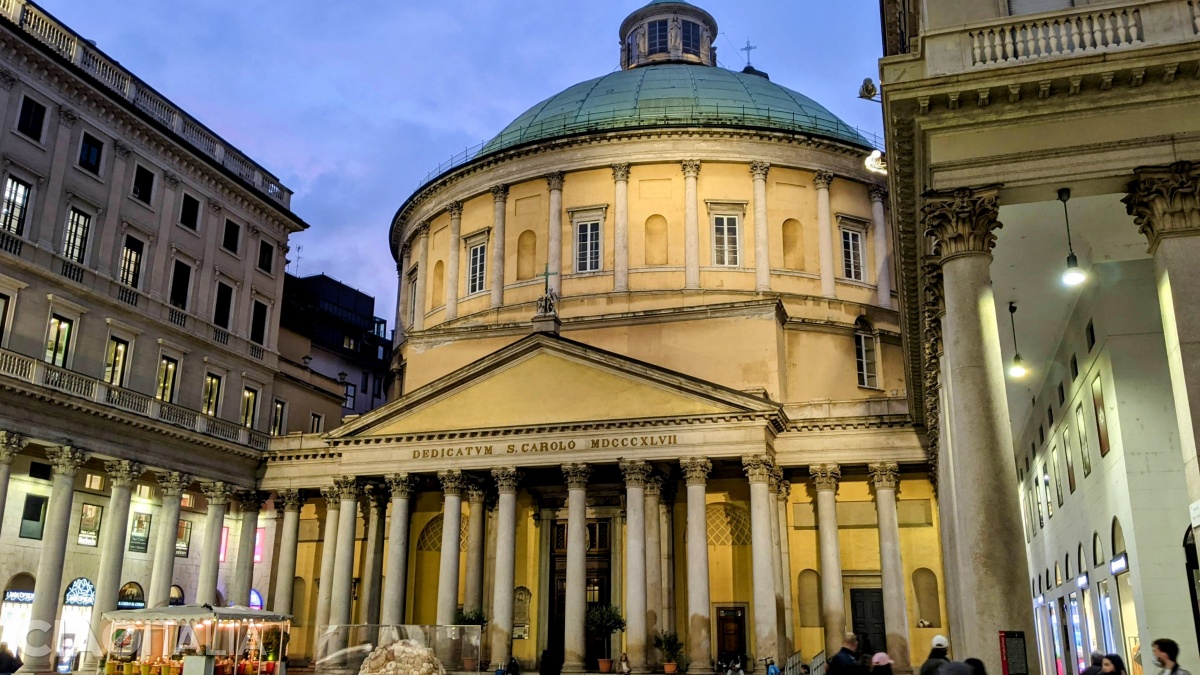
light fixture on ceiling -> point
(1073, 275)
(1017, 370)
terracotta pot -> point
(470, 665)
(670, 668)
(605, 665)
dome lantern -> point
(668, 31)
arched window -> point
(20, 588)
(1067, 566)
(1097, 550)
(439, 284)
(929, 606)
(526, 255)
(1057, 575)
(256, 601)
(177, 597)
(131, 596)
(864, 353)
(299, 601)
(809, 583)
(656, 240)
(728, 525)
(1118, 538)
(1081, 559)
(793, 244)
(431, 535)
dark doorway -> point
(598, 587)
(1193, 576)
(731, 634)
(866, 607)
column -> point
(333, 503)
(833, 615)
(121, 476)
(422, 244)
(395, 581)
(667, 562)
(46, 230)
(375, 504)
(473, 594)
(342, 589)
(962, 224)
(39, 642)
(10, 445)
(762, 253)
(447, 602)
(507, 478)
(654, 622)
(158, 262)
(635, 473)
(822, 181)
(883, 254)
(455, 210)
(554, 252)
(620, 174)
(885, 476)
(691, 226)
(776, 475)
(766, 618)
(575, 612)
(218, 495)
(402, 293)
(249, 503)
(499, 206)
(789, 627)
(699, 648)
(289, 501)
(171, 485)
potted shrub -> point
(474, 617)
(671, 647)
(604, 620)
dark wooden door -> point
(731, 633)
(598, 588)
(866, 607)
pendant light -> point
(1073, 275)
(1017, 370)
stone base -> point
(543, 323)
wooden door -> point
(866, 608)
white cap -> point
(941, 642)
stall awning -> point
(193, 613)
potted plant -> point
(604, 620)
(671, 647)
(474, 617)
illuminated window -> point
(58, 341)
(279, 418)
(131, 262)
(212, 394)
(249, 407)
(260, 536)
(224, 543)
(16, 201)
(93, 481)
(75, 243)
(89, 524)
(168, 370)
(115, 360)
(187, 500)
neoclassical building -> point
(648, 355)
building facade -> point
(141, 265)
(1071, 124)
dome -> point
(673, 95)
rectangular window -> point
(852, 254)
(1054, 470)
(31, 121)
(657, 37)
(168, 371)
(366, 378)
(91, 150)
(143, 184)
(476, 266)
(377, 391)
(131, 261)
(212, 394)
(351, 396)
(864, 357)
(75, 244)
(1050, 417)
(4, 303)
(1046, 491)
(725, 241)
(279, 418)
(1101, 415)
(1070, 460)
(139, 531)
(224, 543)
(229, 239)
(691, 38)
(1090, 335)
(40, 471)
(1085, 453)
(258, 323)
(58, 341)
(260, 535)
(89, 524)
(187, 500)
(1062, 394)
(143, 491)
(181, 284)
(183, 538)
(316, 423)
(189, 212)
(33, 516)
(1074, 367)
(249, 407)
(266, 257)
(223, 307)
(93, 481)
(587, 247)
(16, 202)
(114, 361)
(348, 342)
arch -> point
(728, 525)
(809, 587)
(929, 604)
(81, 592)
(431, 534)
(793, 244)
(1118, 538)
(177, 597)
(439, 285)
(656, 240)
(1097, 550)
(256, 599)
(131, 596)
(299, 601)
(21, 581)
(526, 255)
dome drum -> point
(668, 31)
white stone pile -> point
(405, 657)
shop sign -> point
(1119, 564)
(81, 593)
(139, 535)
(22, 597)
(1082, 580)
(1012, 653)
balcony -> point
(1089, 30)
(30, 370)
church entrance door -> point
(598, 587)
(866, 607)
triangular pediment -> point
(545, 380)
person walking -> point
(845, 662)
(1097, 665)
(938, 655)
(9, 663)
(977, 667)
(1166, 651)
(881, 664)
(1113, 664)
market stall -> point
(195, 640)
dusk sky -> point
(352, 104)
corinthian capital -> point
(66, 460)
(577, 475)
(620, 171)
(453, 481)
(288, 500)
(636, 472)
(691, 168)
(455, 209)
(877, 193)
(962, 221)
(173, 483)
(123, 472)
(823, 179)
(507, 479)
(884, 475)
(217, 493)
(758, 468)
(67, 117)
(347, 487)
(251, 501)
(825, 476)
(695, 470)
(555, 180)
(402, 485)
(758, 170)
(333, 498)
(654, 486)
(10, 444)
(1164, 201)
(500, 193)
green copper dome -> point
(673, 95)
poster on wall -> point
(183, 539)
(89, 524)
(139, 534)
(1101, 418)
(1013, 659)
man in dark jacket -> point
(845, 662)
(8, 662)
(1097, 665)
(938, 655)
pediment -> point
(546, 380)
